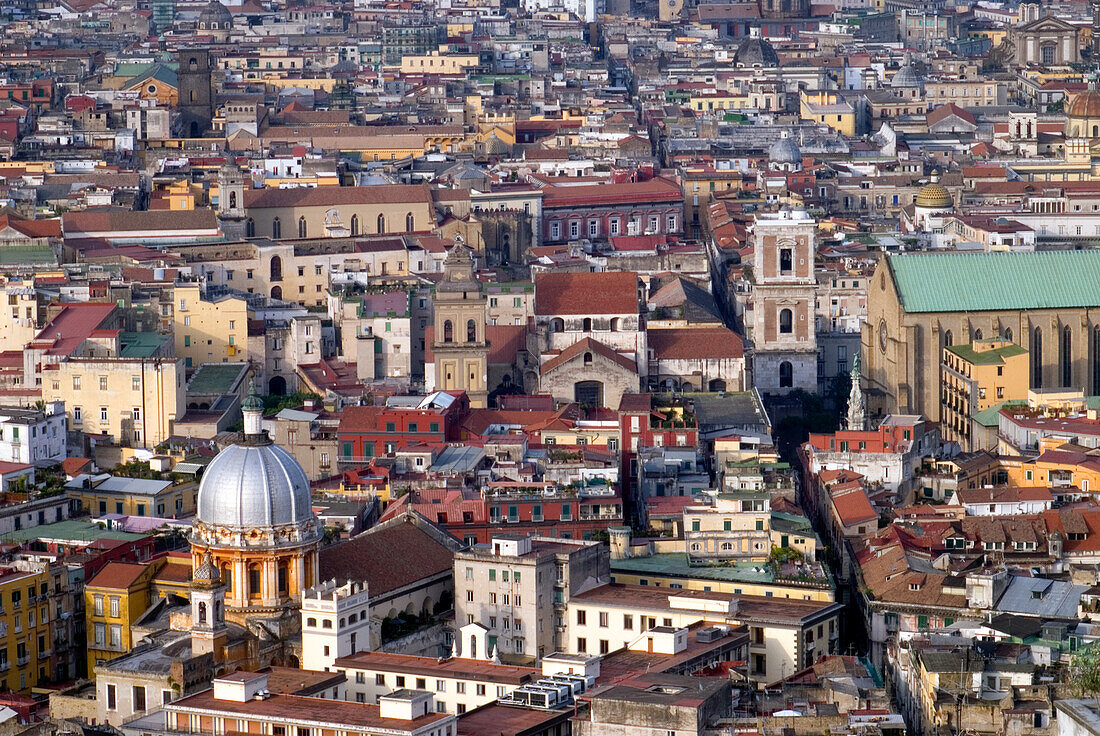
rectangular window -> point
(114, 606)
(139, 698)
(103, 383)
(112, 698)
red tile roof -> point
(656, 191)
(73, 325)
(609, 292)
(118, 575)
(334, 196)
(695, 343)
(587, 345)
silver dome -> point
(254, 486)
(907, 76)
(785, 151)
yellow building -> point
(976, 377)
(438, 62)
(136, 497)
(135, 401)
(209, 330)
(113, 600)
(25, 639)
(828, 108)
(339, 211)
(718, 101)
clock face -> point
(882, 336)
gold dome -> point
(934, 197)
(1084, 104)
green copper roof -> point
(994, 356)
(976, 282)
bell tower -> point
(196, 91)
(208, 627)
(460, 347)
(783, 332)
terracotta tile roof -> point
(118, 575)
(334, 196)
(609, 292)
(505, 342)
(587, 345)
(852, 507)
(695, 343)
(655, 190)
(73, 325)
(421, 555)
(359, 418)
(464, 669)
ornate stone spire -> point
(857, 404)
(253, 410)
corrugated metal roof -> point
(976, 282)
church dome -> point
(934, 197)
(907, 76)
(756, 52)
(785, 151)
(254, 489)
(215, 16)
(1084, 104)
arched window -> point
(232, 200)
(471, 331)
(448, 331)
(1037, 358)
(250, 228)
(978, 334)
(227, 576)
(276, 268)
(276, 228)
(410, 223)
(326, 623)
(202, 613)
(948, 340)
(588, 358)
(786, 321)
(586, 325)
(695, 547)
(557, 325)
(786, 374)
(727, 547)
(1008, 334)
(312, 622)
(786, 260)
(473, 647)
(193, 63)
(355, 224)
(282, 575)
(381, 224)
(1066, 357)
(301, 227)
(614, 324)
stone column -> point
(240, 582)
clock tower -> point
(460, 348)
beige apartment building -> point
(518, 587)
(459, 684)
(510, 303)
(736, 527)
(965, 92)
(785, 635)
(209, 330)
(134, 401)
(20, 314)
(336, 212)
(300, 272)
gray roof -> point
(249, 486)
(458, 460)
(1041, 597)
(296, 415)
(118, 484)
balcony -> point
(23, 661)
(45, 654)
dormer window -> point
(914, 586)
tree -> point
(1084, 673)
